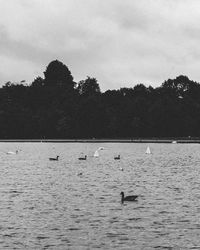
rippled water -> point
(72, 204)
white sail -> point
(148, 151)
(96, 154)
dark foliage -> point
(57, 107)
(57, 74)
(88, 87)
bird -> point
(79, 174)
(54, 159)
(117, 157)
(101, 148)
(96, 153)
(83, 157)
(128, 198)
(12, 153)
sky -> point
(119, 42)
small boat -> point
(83, 157)
(148, 151)
(174, 142)
(96, 154)
(128, 198)
(117, 157)
(54, 159)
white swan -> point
(96, 154)
(12, 152)
(101, 148)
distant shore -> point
(174, 141)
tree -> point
(38, 82)
(58, 74)
(179, 86)
(88, 87)
(140, 90)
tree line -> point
(56, 106)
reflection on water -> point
(72, 204)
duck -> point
(117, 157)
(83, 157)
(79, 174)
(128, 198)
(54, 159)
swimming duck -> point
(117, 157)
(54, 159)
(79, 174)
(83, 158)
(128, 198)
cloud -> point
(121, 43)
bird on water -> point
(83, 158)
(79, 174)
(117, 157)
(12, 152)
(128, 198)
(54, 159)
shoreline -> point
(174, 141)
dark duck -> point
(54, 159)
(128, 198)
(117, 157)
(83, 157)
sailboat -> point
(96, 154)
(148, 151)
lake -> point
(73, 204)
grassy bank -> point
(157, 140)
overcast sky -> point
(120, 42)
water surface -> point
(72, 204)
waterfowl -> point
(96, 153)
(79, 174)
(12, 153)
(117, 157)
(54, 159)
(128, 198)
(101, 148)
(83, 157)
